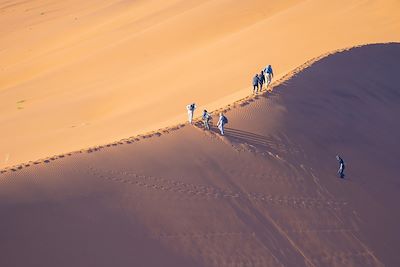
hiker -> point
(261, 80)
(190, 108)
(341, 166)
(221, 122)
(269, 74)
(206, 119)
(255, 83)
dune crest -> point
(95, 72)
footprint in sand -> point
(19, 104)
(7, 157)
(79, 125)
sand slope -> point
(93, 72)
(264, 195)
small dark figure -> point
(206, 119)
(341, 166)
(255, 83)
(261, 80)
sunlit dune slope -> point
(79, 73)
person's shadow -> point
(248, 137)
(257, 141)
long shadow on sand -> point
(255, 140)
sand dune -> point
(92, 72)
(266, 194)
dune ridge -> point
(104, 65)
(156, 133)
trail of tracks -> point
(207, 192)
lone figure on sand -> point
(269, 74)
(255, 83)
(190, 109)
(221, 122)
(341, 166)
(206, 119)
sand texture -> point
(76, 74)
(266, 194)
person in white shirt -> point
(190, 109)
(221, 122)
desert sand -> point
(266, 194)
(76, 74)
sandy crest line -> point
(237, 104)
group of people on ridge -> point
(265, 77)
(207, 118)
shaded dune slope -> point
(266, 194)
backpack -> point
(225, 120)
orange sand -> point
(75, 73)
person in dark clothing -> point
(341, 166)
(255, 83)
(206, 119)
(261, 80)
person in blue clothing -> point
(341, 166)
(269, 74)
(255, 83)
(206, 119)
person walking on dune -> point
(261, 80)
(341, 166)
(269, 74)
(255, 83)
(206, 119)
(190, 109)
(221, 122)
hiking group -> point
(265, 77)
(206, 117)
